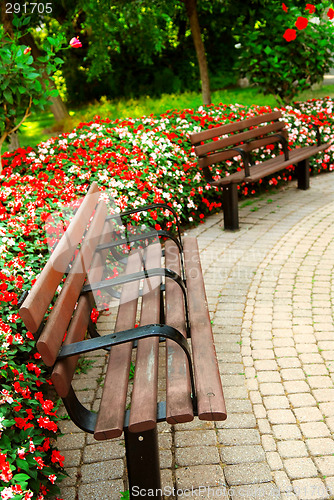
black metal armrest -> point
(145, 208)
(246, 159)
(284, 143)
(317, 129)
(86, 419)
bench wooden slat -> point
(271, 166)
(234, 127)
(110, 420)
(36, 304)
(239, 138)
(145, 386)
(210, 399)
(49, 342)
(179, 407)
(213, 158)
(63, 371)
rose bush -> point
(289, 49)
(138, 161)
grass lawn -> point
(41, 126)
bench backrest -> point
(42, 293)
(216, 144)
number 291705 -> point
(28, 8)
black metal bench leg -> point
(303, 174)
(142, 456)
(230, 207)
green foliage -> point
(24, 83)
(282, 66)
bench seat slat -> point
(234, 127)
(110, 420)
(179, 407)
(49, 342)
(36, 304)
(145, 386)
(210, 398)
(272, 165)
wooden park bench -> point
(241, 139)
(169, 303)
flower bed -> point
(138, 161)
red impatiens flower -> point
(289, 35)
(310, 8)
(301, 23)
(284, 7)
(330, 13)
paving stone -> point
(290, 449)
(247, 473)
(196, 455)
(102, 471)
(274, 460)
(310, 489)
(315, 429)
(286, 431)
(320, 446)
(302, 399)
(199, 476)
(281, 417)
(101, 490)
(268, 443)
(241, 454)
(104, 451)
(230, 437)
(238, 421)
(297, 468)
(325, 465)
(194, 438)
(276, 402)
(262, 491)
(308, 414)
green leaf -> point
(8, 96)
(268, 50)
(51, 40)
(21, 477)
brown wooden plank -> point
(235, 139)
(213, 158)
(276, 164)
(178, 389)
(110, 419)
(210, 399)
(63, 371)
(35, 305)
(50, 340)
(234, 127)
(145, 386)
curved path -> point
(270, 289)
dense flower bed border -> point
(138, 161)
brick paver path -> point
(270, 288)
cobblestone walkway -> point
(270, 289)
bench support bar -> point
(142, 458)
(230, 207)
(303, 174)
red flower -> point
(284, 7)
(330, 13)
(75, 43)
(290, 35)
(310, 8)
(301, 23)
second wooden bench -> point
(241, 138)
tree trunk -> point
(58, 107)
(14, 141)
(191, 7)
